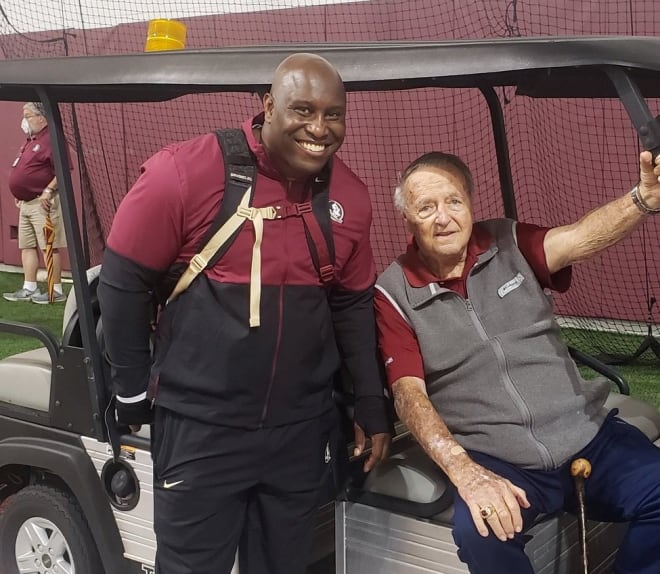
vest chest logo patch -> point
(336, 211)
(36, 147)
(510, 285)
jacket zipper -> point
(526, 414)
(152, 389)
(280, 322)
(276, 353)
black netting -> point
(567, 156)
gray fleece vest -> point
(496, 368)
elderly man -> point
(33, 184)
(481, 377)
(244, 359)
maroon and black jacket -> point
(208, 363)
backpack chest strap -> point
(201, 260)
(240, 171)
(257, 216)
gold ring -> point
(487, 511)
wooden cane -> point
(580, 471)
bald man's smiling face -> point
(305, 120)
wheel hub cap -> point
(42, 549)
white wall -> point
(34, 15)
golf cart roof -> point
(538, 67)
(585, 67)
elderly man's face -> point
(307, 122)
(35, 120)
(438, 212)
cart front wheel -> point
(43, 531)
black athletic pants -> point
(216, 486)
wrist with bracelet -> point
(639, 202)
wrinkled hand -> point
(480, 488)
(380, 447)
(649, 180)
(45, 200)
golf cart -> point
(76, 491)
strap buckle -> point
(252, 213)
(303, 207)
(247, 212)
(198, 263)
(269, 212)
(327, 273)
(295, 210)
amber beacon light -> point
(165, 34)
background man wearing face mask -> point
(33, 184)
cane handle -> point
(581, 467)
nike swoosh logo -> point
(171, 484)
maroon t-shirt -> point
(33, 168)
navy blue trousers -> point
(624, 486)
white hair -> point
(399, 198)
(435, 159)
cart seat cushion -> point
(71, 305)
(25, 379)
(413, 476)
(638, 413)
(410, 475)
(144, 432)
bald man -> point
(240, 385)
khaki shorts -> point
(31, 219)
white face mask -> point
(25, 126)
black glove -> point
(139, 413)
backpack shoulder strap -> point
(240, 174)
(318, 227)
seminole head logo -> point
(336, 211)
